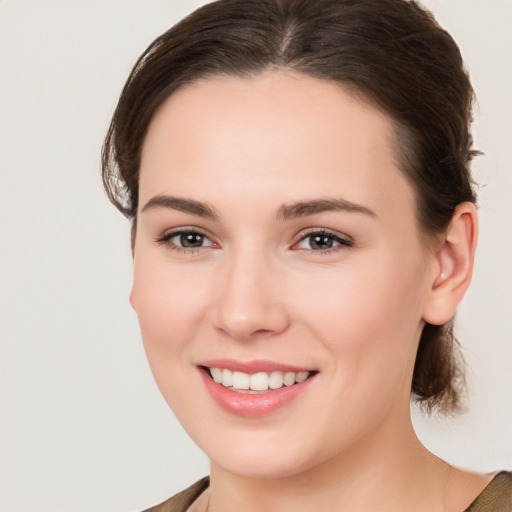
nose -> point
(250, 301)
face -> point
(277, 242)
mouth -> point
(256, 388)
(256, 383)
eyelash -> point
(166, 238)
(344, 242)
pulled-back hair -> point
(390, 53)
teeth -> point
(260, 381)
(301, 376)
(241, 380)
(275, 380)
(289, 379)
(227, 378)
(216, 374)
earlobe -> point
(454, 265)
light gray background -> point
(82, 425)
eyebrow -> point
(286, 212)
(183, 205)
(305, 208)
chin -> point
(274, 466)
(258, 456)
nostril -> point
(242, 332)
(261, 333)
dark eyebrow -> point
(305, 208)
(181, 204)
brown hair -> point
(391, 53)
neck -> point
(385, 470)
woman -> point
(304, 228)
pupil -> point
(191, 240)
(321, 242)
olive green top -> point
(496, 497)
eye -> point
(185, 240)
(322, 241)
(189, 240)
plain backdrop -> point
(82, 424)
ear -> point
(453, 265)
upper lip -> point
(255, 366)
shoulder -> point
(496, 497)
(181, 502)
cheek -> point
(369, 298)
(169, 304)
(369, 320)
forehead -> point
(301, 135)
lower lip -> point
(253, 405)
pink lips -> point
(252, 405)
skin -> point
(258, 289)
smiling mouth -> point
(256, 383)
